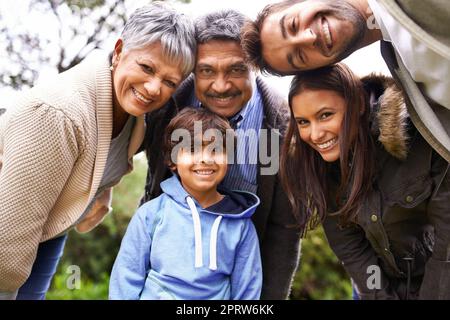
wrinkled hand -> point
(101, 207)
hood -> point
(389, 115)
(236, 205)
(239, 204)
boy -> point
(195, 241)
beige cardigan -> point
(53, 149)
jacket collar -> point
(389, 116)
(276, 110)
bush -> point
(320, 275)
(88, 289)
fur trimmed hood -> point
(389, 116)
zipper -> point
(409, 261)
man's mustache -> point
(224, 95)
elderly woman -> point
(66, 143)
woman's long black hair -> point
(303, 171)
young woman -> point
(67, 142)
(353, 161)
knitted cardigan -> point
(53, 148)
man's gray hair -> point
(220, 25)
(158, 22)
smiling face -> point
(223, 82)
(200, 172)
(319, 115)
(143, 79)
(310, 34)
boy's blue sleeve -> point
(133, 260)
(246, 280)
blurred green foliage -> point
(320, 275)
(85, 3)
(89, 290)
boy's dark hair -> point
(186, 119)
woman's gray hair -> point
(159, 22)
(220, 25)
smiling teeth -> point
(141, 97)
(224, 99)
(204, 172)
(326, 33)
(327, 144)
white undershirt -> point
(424, 65)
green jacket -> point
(427, 21)
(404, 225)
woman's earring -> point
(111, 68)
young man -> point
(224, 83)
(296, 35)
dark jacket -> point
(274, 221)
(404, 225)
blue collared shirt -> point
(242, 173)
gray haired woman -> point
(67, 142)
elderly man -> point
(223, 83)
(296, 35)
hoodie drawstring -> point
(198, 238)
(197, 233)
(213, 244)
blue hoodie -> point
(175, 249)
